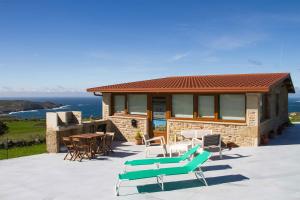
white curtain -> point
(232, 106)
(182, 105)
(119, 103)
(137, 104)
(206, 106)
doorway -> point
(158, 116)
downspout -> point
(98, 94)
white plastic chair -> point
(185, 144)
(153, 146)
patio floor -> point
(266, 172)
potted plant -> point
(138, 138)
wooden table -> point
(89, 137)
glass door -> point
(159, 122)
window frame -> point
(265, 108)
(147, 104)
(193, 108)
(232, 120)
(113, 104)
(195, 115)
(126, 113)
(216, 109)
(196, 107)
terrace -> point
(268, 172)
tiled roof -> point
(205, 84)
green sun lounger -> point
(193, 166)
(152, 161)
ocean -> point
(89, 106)
(92, 106)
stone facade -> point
(238, 134)
(276, 121)
(106, 101)
(123, 128)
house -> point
(241, 107)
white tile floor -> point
(266, 172)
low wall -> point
(235, 133)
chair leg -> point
(66, 156)
(220, 153)
(160, 182)
(146, 153)
(118, 188)
(200, 176)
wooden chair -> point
(67, 141)
(100, 142)
(82, 149)
(109, 138)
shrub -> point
(3, 128)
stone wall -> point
(106, 101)
(55, 130)
(235, 133)
(239, 134)
(123, 129)
(274, 122)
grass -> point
(294, 117)
(23, 151)
(25, 130)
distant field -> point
(23, 151)
(25, 130)
(295, 117)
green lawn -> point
(23, 151)
(295, 117)
(25, 130)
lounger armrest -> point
(196, 140)
(159, 138)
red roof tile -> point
(208, 83)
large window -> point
(119, 104)
(264, 107)
(137, 104)
(206, 106)
(182, 105)
(232, 107)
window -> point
(206, 106)
(232, 107)
(119, 104)
(137, 104)
(182, 105)
(264, 107)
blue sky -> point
(60, 47)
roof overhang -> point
(144, 86)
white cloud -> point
(58, 90)
(255, 62)
(230, 42)
(179, 56)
